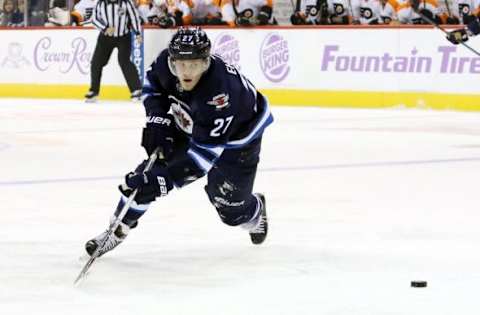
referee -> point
(115, 19)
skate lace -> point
(260, 227)
(111, 242)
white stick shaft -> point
(113, 226)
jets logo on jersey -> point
(220, 101)
(182, 118)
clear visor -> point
(189, 67)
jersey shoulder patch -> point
(220, 101)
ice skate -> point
(136, 96)
(258, 233)
(91, 97)
(113, 241)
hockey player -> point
(321, 12)
(339, 12)
(467, 10)
(143, 7)
(248, 12)
(429, 8)
(307, 12)
(388, 11)
(170, 13)
(462, 34)
(206, 12)
(58, 14)
(366, 11)
(82, 12)
(209, 120)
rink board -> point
(334, 67)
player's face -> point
(189, 72)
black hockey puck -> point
(418, 284)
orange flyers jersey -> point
(246, 8)
(406, 15)
(162, 7)
(204, 8)
(143, 2)
(388, 11)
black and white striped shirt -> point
(120, 14)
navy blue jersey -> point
(224, 111)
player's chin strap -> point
(156, 155)
(415, 5)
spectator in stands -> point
(37, 12)
(58, 15)
(21, 12)
(10, 15)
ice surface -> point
(361, 202)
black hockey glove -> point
(243, 21)
(457, 36)
(298, 18)
(467, 19)
(262, 18)
(453, 20)
(159, 132)
(217, 20)
(474, 26)
(264, 15)
(152, 184)
(153, 20)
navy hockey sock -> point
(135, 211)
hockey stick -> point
(295, 6)
(157, 154)
(434, 24)
(448, 8)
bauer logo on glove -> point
(151, 184)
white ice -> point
(360, 202)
